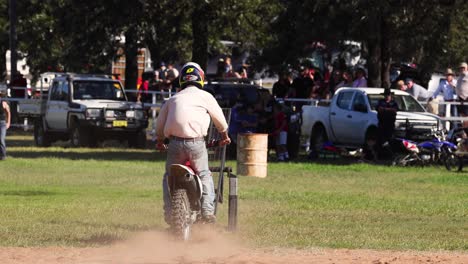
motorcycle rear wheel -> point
(181, 222)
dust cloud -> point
(207, 246)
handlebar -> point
(162, 146)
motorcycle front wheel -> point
(181, 221)
(453, 162)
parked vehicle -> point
(457, 159)
(86, 109)
(350, 119)
(434, 151)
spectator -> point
(243, 71)
(335, 79)
(281, 133)
(172, 75)
(447, 88)
(143, 95)
(401, 86)
(416, 90)
(346, 80)
(5, 121)
(220, 70)
(360, 79)
(462, 91)
(18, 86)
(386, 114)
(248, 120)
(302, 86)
(282, 87)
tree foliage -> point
(84, 36)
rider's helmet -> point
(191, 74)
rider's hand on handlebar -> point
(160, 145)
(225, 141)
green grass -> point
(78, 197)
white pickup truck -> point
(86, 109)
(350, 119)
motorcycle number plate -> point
(119, 123)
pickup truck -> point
(85, 109)
(350, 119)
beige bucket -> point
(252, 152)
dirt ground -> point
(156, 248)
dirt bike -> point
(185, 190)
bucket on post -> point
(252, 152)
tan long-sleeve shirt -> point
(187, 115)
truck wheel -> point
(137, 139)
(41, 138)
(318, 138)
(79, 137)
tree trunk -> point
(375, 52)
(200, 34)
(385, 54)
(131, 60)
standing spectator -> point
(282, 87)
(335, 79)
(386, 114)
(360, 79)
(416, 90)
(462, 91)
(5, 119)
(172, 75)
(302, 86)
(447, 88)
(281, 133)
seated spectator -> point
(346, 80)
(248, 120)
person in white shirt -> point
(462, 91)
(447, 88)
(416, 90)
(185, 119)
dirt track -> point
(153, 247)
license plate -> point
(119, 123)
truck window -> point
(55, 92)
(92, 90)
(359, 102)
(64, 91)
(344, 99)
(405, 102)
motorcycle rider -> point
(185, 119)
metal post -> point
(447, 114)
(232, 214)
(153, 113)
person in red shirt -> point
(281, 133)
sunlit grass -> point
(66, 196)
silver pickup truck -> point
(86, 109)
(350, 119)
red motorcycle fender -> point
(180, 175)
